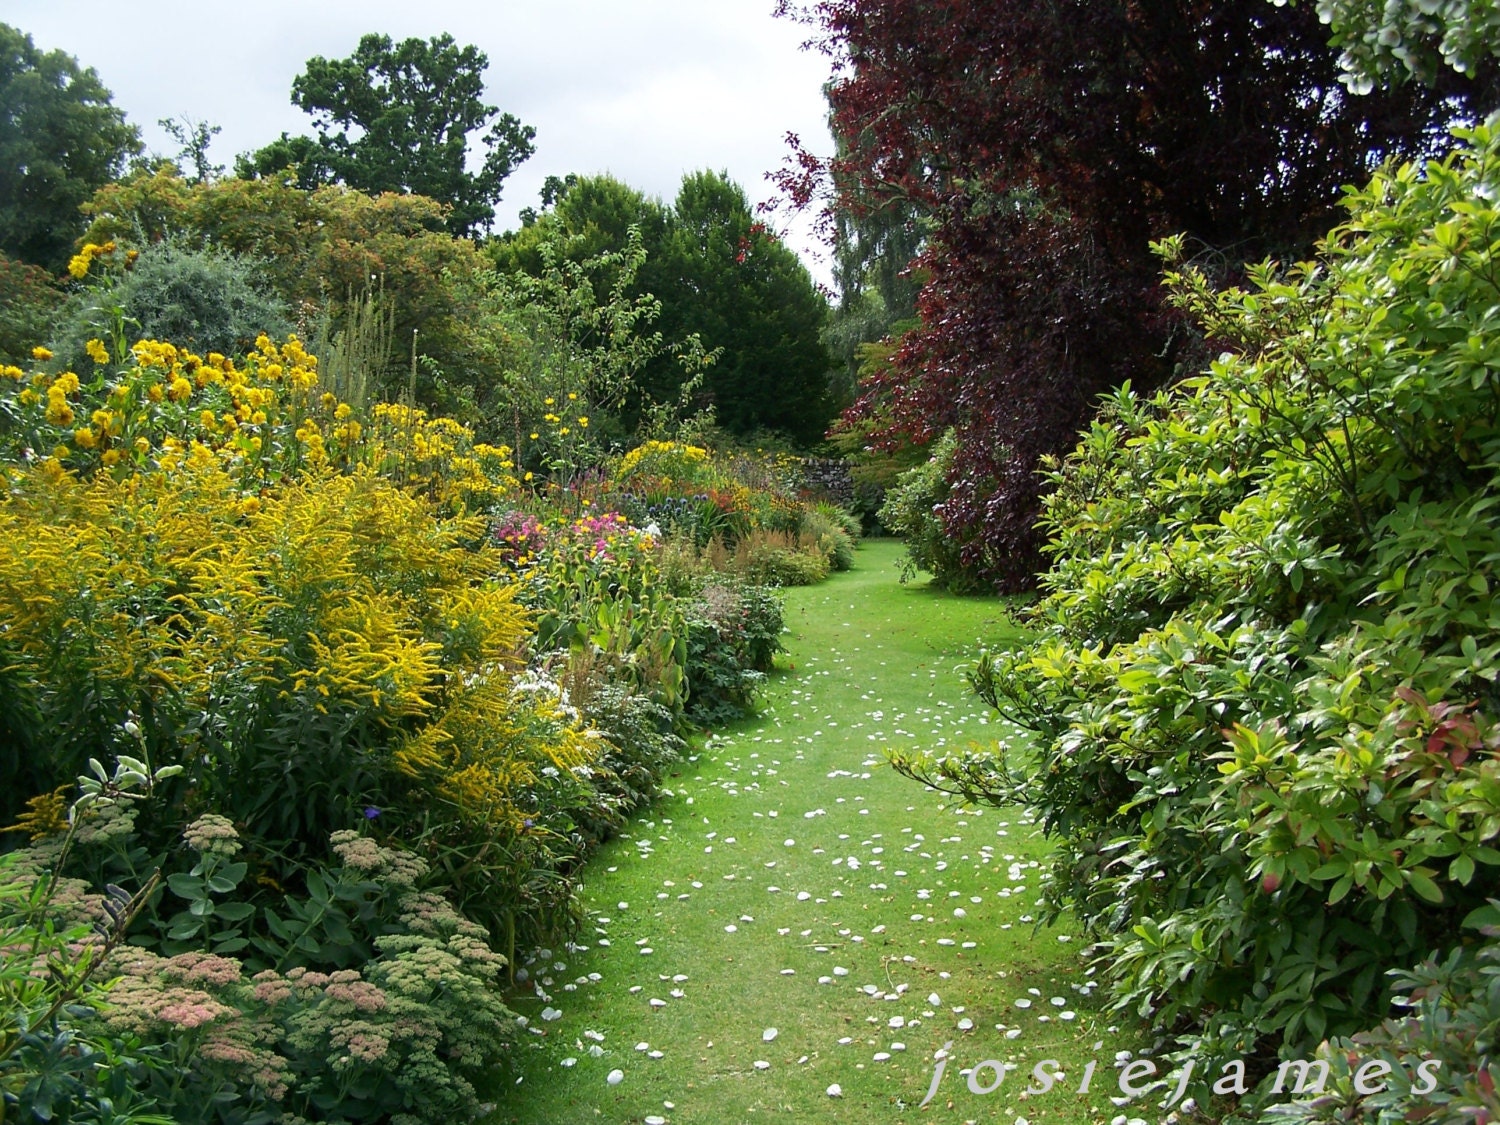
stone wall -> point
(829, 476)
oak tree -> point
(399, 117)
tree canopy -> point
(399, 117)
(719, 274)
(1047, 145)
(60, 140)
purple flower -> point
(528, 822)
(371, 812)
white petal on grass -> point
(615, 1077)
(768, 1034)
(835, 1091)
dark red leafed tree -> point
(1048, 143)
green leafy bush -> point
(28, 299)
(205, 300)
(735, 634)
(835, 531)
(1269, 642)
(911, 510)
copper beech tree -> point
(1047, 143)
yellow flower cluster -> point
(670, 459)
(440, 457)
(397, 625)
(46, 814)
(59, 410)
(79, 264)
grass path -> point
(792, 881)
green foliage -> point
(56, 1063)
(411, 1030)
(194, 136)
(565, 347)
(318, 250)
(1266, 663)
(641, 739)
(205, 300)
(735, 634)
(779, 558)
(719, 276)
(834, 530)
(911, 510)
(397, 117)
(60, 140)
(1389, 43)
(28, 300)
(1449, 1015)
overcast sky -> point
(645, 90)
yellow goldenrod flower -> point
(111, 457)
(584, 421)
(97, 351)
(61, 451)
(180, 390)
(572, 397)
(142, 446)
(40, 353)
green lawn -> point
(793, 882)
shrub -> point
(1267, 658)
(594, 584)
(773, 558)
(735, 634)
(28, 299)
(203, 300)
(835, 532)
(639, 740)
(913, 510)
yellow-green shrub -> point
(262, 418)
(328, 646)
